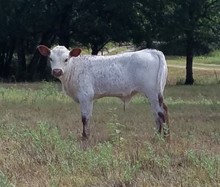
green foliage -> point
(28, 96)
(146, 23)
(205, 162)
(47, 147)
(4, 182)
(103, 21)
(46, 144)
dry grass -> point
(40, 143)
(206, 70)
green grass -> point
(40, 138)
(40, 142)
(211, 59)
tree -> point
(53, 25)
(102, 21)
(26, 23)
(196, 23)
(19, 20)
(151, 18)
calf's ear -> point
(44, 50)
(75, 52)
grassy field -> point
(40, 137)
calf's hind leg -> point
(166, 130)
(160, 111)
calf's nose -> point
(57, 72)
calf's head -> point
(59, 58)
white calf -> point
(85, 78)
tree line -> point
(176, 27)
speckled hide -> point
(85, 78)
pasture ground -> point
(40, 130)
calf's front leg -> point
(86, 112)
(86, 129)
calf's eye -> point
(66, 60)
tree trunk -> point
(95, 49)
(21, 74)
(2, 57)
(34, 67)
(64, 40)
(8, 59)
(98, 47)
(42, 70)
(64, 33)
(189, 61)
(149, 43)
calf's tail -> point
(161, 82)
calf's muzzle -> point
(57, 72)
